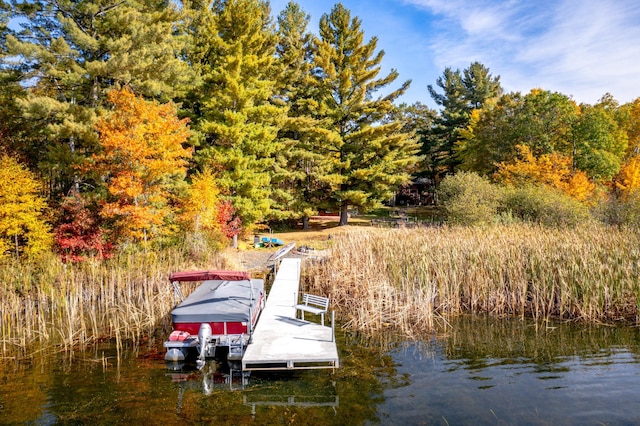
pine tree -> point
(365, 158)
(71, 53)
(235, 52)
(297, 186)
(462, 92)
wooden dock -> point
(282, 342)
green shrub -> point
(544, 205)
(619, 212)
(469, 199)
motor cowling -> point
(204, 337)
(204, 334)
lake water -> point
(475, 371)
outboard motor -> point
(204, 336)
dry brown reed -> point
(49, 304)
(413, 279)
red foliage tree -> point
(230, 224)
(78, 236)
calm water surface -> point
(508, 372)
(477, 371)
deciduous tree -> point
(542, 120)
(554, 170)
(142, 161)
(599, 143)
(23, 228)
(79, 234)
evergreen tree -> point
(416, 118)
(366, 158)
(479, 85)
(69, 53)
(298, 189)
(462, 92)
(439, 141)
(235, 53)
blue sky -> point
(581, 48)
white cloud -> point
(580, 48)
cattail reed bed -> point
(412, 279)
(50, 305)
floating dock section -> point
(280, 341)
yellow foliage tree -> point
(23, 229)
(628, 180)
(142, 161)
(554, 170)
(632, 126)
(200, 212)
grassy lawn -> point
(321, 228)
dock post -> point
(333, 326)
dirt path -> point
(249, 258)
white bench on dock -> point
(282, 342)
(313, 304)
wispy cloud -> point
(580, 48)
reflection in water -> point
(487, 371)
(143, 390)
(477, 371)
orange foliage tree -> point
(628, 180)
(142, 162)
(554, 170)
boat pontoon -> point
(217, 318)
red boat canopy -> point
(209, 275)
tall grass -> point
(49, 304)
(409, 279)
(400, 280)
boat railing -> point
(177, 293)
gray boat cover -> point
(220, 301)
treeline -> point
(537, 157)
(149, 121)
(144, 122)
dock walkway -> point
(282, 342)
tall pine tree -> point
(298, 188)
(462, 92)
(366, 157)
(239, 118)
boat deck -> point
(282, 342)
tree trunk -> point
(344, 215)
(305, 223)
